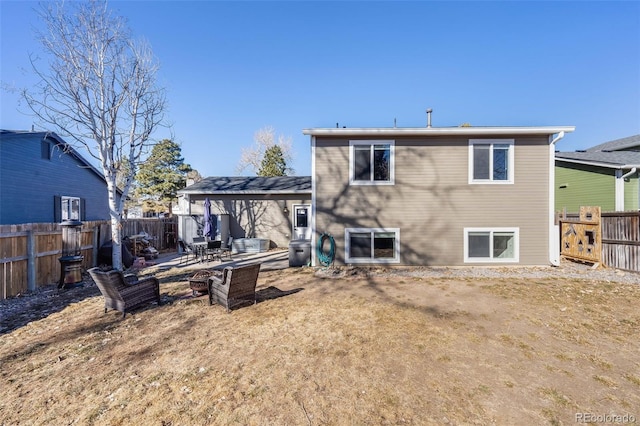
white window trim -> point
(392, 155)
(65, 213)
(396, 249)
(516, 248)
(490, 181)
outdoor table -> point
(200, 249)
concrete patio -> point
(270, 260)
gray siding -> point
(29, 183)
(432, 201)
(255, 215)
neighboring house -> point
(436, 196)
(44, 180)
(605, 175)
(273, 208)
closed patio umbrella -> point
(208, 229)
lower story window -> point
(491, 245)
(372, 245)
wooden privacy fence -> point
(621, 240)
(163, 231)
(612, 238)
(29, 252)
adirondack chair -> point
(238, 285)
(125, 293)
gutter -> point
(440, 131)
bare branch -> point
(99, 90)
(265, 138)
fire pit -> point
(199, 282)
(71, 260)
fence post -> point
(96, 243)
(31, 260)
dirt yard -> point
(331, 347)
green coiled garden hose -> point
(326, 258)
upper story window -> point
(45, 150)
(491, 161)
(371, 162)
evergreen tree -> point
(273, 162)
(162, 175)
(267, 151)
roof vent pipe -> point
(429, 111)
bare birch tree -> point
(264, 139)
(100, 90)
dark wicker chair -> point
(238, 285)
(125, 293)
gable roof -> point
(628, 143)
(610, 159)
(53, 137)
(250, 185)
(438, 131)
(66, 147)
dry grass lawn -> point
(353, 350)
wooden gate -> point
(582, 239)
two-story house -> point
(44, 180)
(436, 196)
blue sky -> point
(231, 68)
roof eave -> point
(278, 192)
(598, 163)
(437, 131)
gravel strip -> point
(566, 270)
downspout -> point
(554, 230)
(632, 171)
(553, 142)
(619, 193)
(313, 201)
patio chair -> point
(213, 250)
(226, 251)
(186, 251)
(238, 285)
(125, 293)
